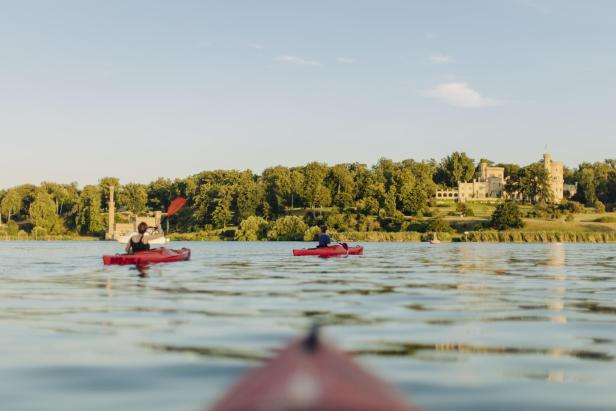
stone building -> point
(555, 169)
(490, 185)
(118, 230)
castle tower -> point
(547, 161)
(111, 216)
(555, 171)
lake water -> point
(454, 326)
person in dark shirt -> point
(140, 241)
(324, 238)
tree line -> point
(362, 198)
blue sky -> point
(142, 89)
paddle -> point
(344, 245)
(175, 206)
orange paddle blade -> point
(176, 205)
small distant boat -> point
(435, 240)
(159, 241)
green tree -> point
(373, 198)
(368, 205)
(250, 196)
(315, 191)
(63, 195)
(438, 225)
(363, 177)
(312, 233)
(341, 222)
(133, 197)
(384, 172)
(596, 181)
(532, 184)
(104, 184)
(506, 215)
(297, 187)
(89, 219)
(222, 213)
(277, 184)
(454, 168)
(252, 229)
(323, 197)
(416, 202)
(12, 228)
(341, 184)
(390, 202)
(42, 212)
(11, 203)
(160, 192)
(26, 192)
(288, 228)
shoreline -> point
(519, 237)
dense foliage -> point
(283, 202)
(507, 215)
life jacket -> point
(138, 246)
(324, 239)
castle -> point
(490, 185)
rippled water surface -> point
(454, 326)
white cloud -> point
(460, 95)
(256, 46)
(345, 60)
(298, 60)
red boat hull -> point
(313, 376)
(329, 251)
(155, 256)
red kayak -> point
(155, 256)
(310, 375)
(330, 251)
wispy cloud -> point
(298, 61)
(255, 46)
(439, 58)
(460, 94)
(345, 60)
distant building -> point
(555, 169)
(490, 185)
(117, 230)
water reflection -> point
(424, 317)
(413, 349)
(556, 263)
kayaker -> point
(324, 237)
(141, 241)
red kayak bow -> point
(310, 375)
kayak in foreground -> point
(155, 256)
(330, 251)
(310, 375)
